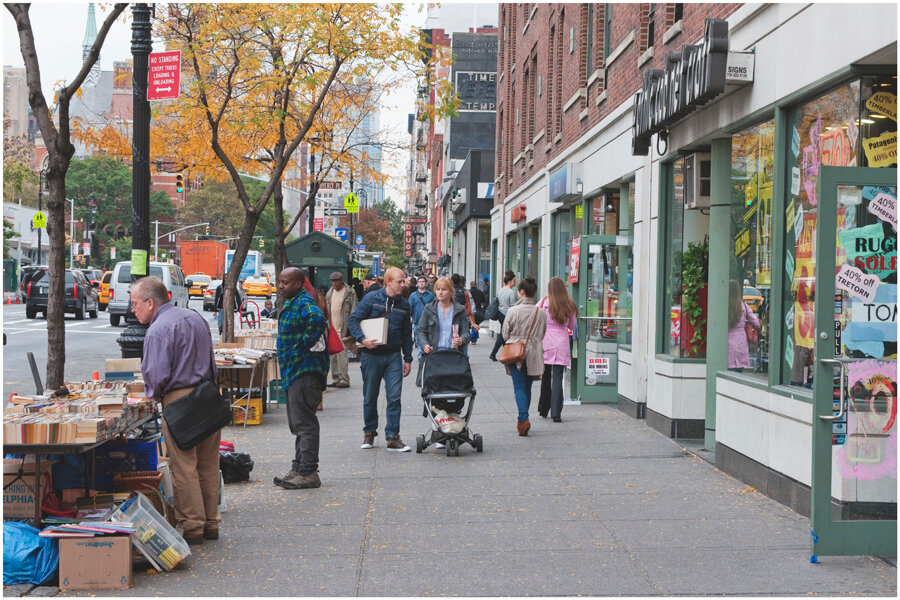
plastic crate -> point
(154, 537)
(254, 414)
(112, 458)
(276, 394)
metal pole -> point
(312, 203)
(132, 339)
(156, 241)
(72, 234)
(352, 224)
(40, 209)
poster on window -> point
(573, 260)
(598, 366)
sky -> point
(59, 30)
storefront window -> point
(532, 251)
(484, 256)
(853, 125)
(561, 245)
(686, 269)
(750, 269)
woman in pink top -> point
(561, 313)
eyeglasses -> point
(135, 304)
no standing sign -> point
(164, 76)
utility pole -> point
(312, 202)
(132, 339)
(40, 209)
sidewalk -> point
(597, 505)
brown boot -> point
(523, 427)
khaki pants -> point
(195, 478)
(339, 368)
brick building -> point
(675, 162)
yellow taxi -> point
(257, 286)
(104, 290)
(273, 285)
(753, 297)
(197, 284)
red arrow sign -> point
(165, 76)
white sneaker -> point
(368, 441)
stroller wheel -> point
(420, 444)
(479, 443)
(452, 448)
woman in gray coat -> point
(522, 318)
(436, 325)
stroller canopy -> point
(446, 371)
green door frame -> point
(603, 393)
(829, 537)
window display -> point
(750, 269)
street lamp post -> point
(40, 209)
(132, 339)
(71, 233)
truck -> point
(252, 264)
(203, 256)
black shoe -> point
(544, 415)
(557, 419)
(493, 358)
(194, 540)
(210, 534)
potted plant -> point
(694, 277)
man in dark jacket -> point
(390, 360)
(478, 298)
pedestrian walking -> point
(341, 301)
(560, 314)
(525, 323)
(443, 321)
(301, 328)
(740, 317)
(178, 356)
(357, 286)
(432, 278)
(418, 300)
(390, 361)
(506, 297)
(220, 297)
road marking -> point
(19, 321)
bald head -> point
(290, 281)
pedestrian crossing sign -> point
(40, 220)
(351, 203)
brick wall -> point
(556, 35)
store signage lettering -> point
(859, 284)
(598, 366)
(870, 250)
(573, 259)
(742, 243)
(884, 206)
(881, 151)
(884, 103)
(691, 78)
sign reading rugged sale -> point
(164, 77)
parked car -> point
(197, 283)
(257, 286)
(25, 274)
(104, 290)
(119, 298)
(81, 296)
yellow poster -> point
(881, 151)
(884, 103)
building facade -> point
(673, 162)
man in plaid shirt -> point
(304, 372)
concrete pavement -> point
(597, 505)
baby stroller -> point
(446, 383)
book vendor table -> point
(38, 449)
(239, 381)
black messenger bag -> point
(195, 417)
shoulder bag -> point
(195, 417)
(514, 352)
(493, 310)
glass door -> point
(854, 453)
(604, 313)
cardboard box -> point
(97, 563)
(123, 364)
(18, 498)
(254, 414)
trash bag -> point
(235, 466)
(27, 557)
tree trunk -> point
(241, 249)
(56, 295)
(280, 255)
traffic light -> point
(207, 230)
(179, 183)
(262, 244)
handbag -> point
(335, 346)
(514, 352)
(198, 415)
(750, 331)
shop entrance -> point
(854, 453)
(603, 293)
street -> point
(598, 505)
(88, 344)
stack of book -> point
(87, 529)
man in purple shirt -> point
(177, 357)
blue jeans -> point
(522, 389)
(376, 367)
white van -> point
(120, 300)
